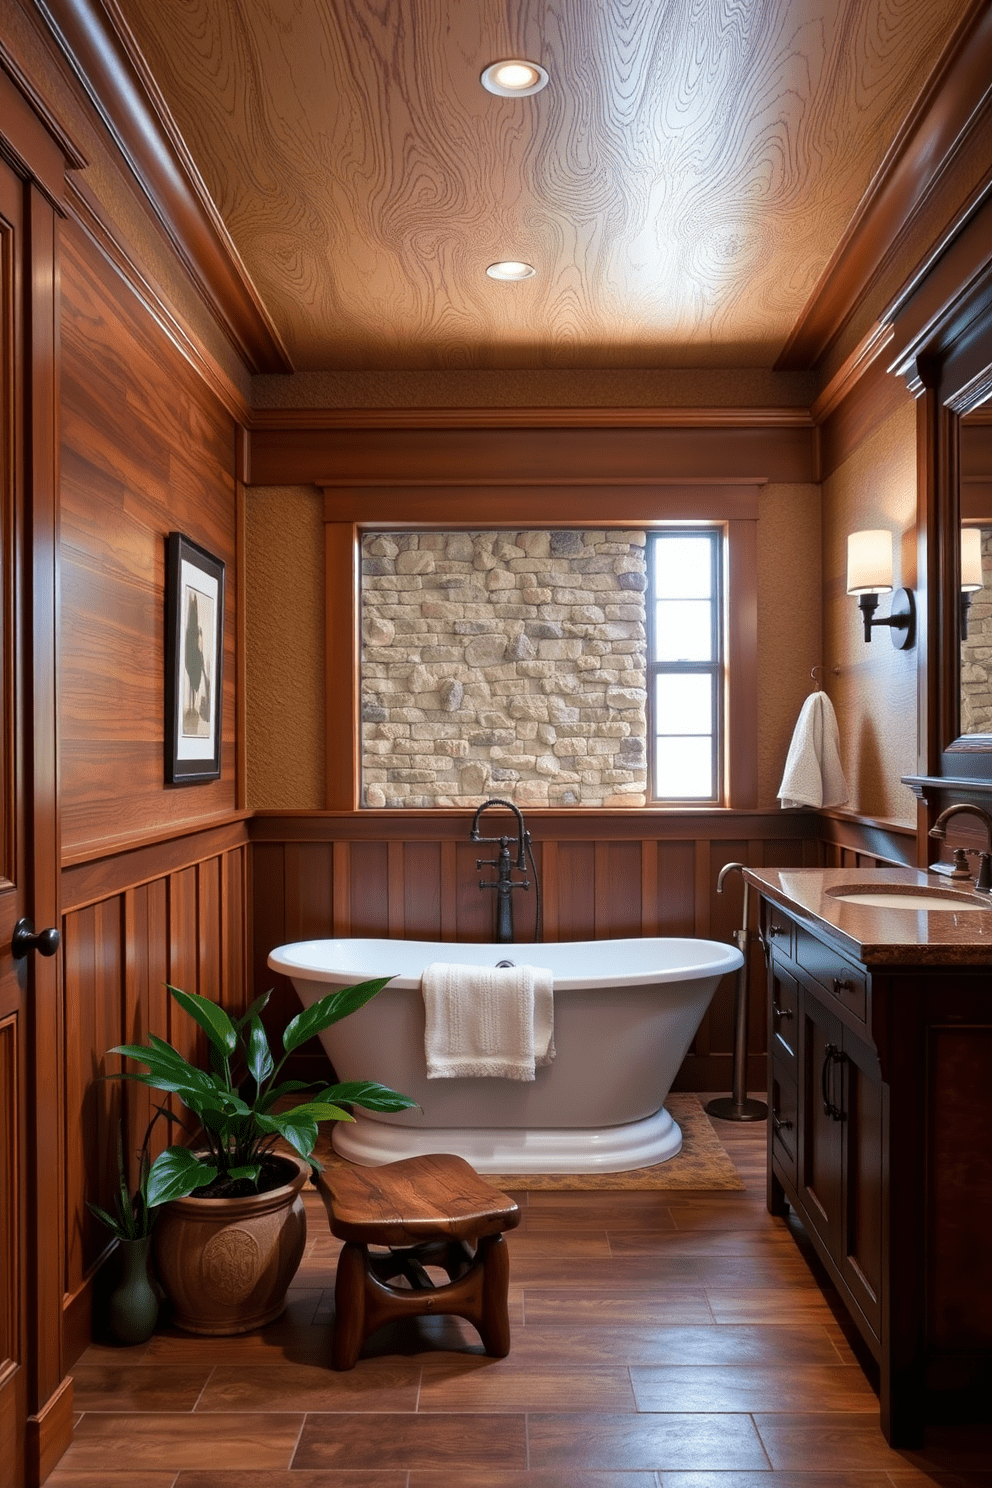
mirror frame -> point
(942, 339)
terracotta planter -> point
(226, 1264)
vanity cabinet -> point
(880, 1139)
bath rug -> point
(703, 1162)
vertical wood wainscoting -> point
(413, 875)
(171, 912)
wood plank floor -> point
(660, 1340)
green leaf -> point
(328, 1010)
(117, 1226)
(254, 1010)
(321, 1111)
(260, 1061)
(175, 1173)
(299, 1131)
(249, 1171)
(287, 1087)
(367, 1093)
(212, 1019)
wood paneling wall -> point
(145, 450)
(604, 876)
(132, 924)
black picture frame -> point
(194, 658)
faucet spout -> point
(983, 882)
(504, 865)
(476, 836)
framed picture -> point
(194, 654)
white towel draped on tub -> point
(487, 1020)
(813, 774)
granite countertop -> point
(879, 936)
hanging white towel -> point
(813, 774)
(487, 1020)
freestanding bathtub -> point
(625, 1014)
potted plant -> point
(232, 1229)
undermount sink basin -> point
(909, 896)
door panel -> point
(32, 1430)
(13, 1043)
(820, 1176)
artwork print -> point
(195, 648)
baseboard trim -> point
(49, 1434)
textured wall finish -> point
(284, 648)
(789, 631)
(503, 664)
(874, 688)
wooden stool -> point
(429, 1210)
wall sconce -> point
(972, 577)
(869, 574)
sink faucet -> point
(502, 884)
(983, 883)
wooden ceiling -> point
(681, 185)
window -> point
(685, 665)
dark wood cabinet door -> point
(821, 1137)
(865, 1177)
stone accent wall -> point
(507, 664)
(976, 653)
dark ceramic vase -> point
(132, 1307)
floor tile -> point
(730, 1387)
(432, 1441)
(731, 1345)
(645, 1442)
(504, 1384)
(132, 1441)
(825, 1479)
(123, 1387)
(795, 1443)
(373, 1385)
(67, 1478)
(768, 1305)
(569, 1477)
(775, 1244)
(319, 1478)
(677, 1305)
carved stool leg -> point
(494, 1326)
(349, 1304)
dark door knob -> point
(24, 939)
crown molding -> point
(83, 209)
(953, 105)
(302, 419)
(101, 50)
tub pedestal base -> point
(577, 1149)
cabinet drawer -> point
(784, 1018)
(778, 929)
(838, 977)
(783, 1119)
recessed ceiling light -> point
(510, 270)
(514, 78)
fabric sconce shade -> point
(869, 562)
(972, 577)
(869, 574)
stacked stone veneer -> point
(503, 664)
(976, 653)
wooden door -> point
(30, 1290)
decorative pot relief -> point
(230, 1264)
